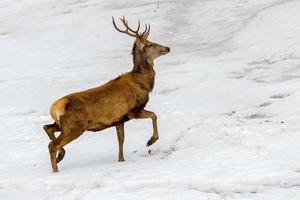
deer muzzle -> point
(166, 50)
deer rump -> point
(102, 107)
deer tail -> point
(58, 109)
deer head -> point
(144, 52)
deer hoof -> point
(60, 157)
(151, 141)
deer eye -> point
(151, 45)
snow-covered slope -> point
(227, 99)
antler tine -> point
(114, 23)
(145, 34)
(124, 22)
(131, 32)
(137, 30)
(146, 28)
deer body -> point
(111, 104)
(106, 105)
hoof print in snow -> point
(168, 90)
(279, 96)
(4, 33)
(67, 12)
(256, 116)
(259, 80)
(237, 75)
(264, 104)
(230, 113)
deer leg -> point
(143, 114)
(50, 129)
(120, 133)
(59, 143)
(52, 152)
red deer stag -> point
(111, 104)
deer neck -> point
(143, 71)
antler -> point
(131, 32)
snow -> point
(227, 99)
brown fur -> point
(111, 104)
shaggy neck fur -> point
(143, 69)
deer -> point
(110, 105)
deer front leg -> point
(144, 114)
(120, 133)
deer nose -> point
(168, 49)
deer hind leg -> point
(120, 134)
(62, 140)
(144, 114)
(50, 129)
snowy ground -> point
(227, 99)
